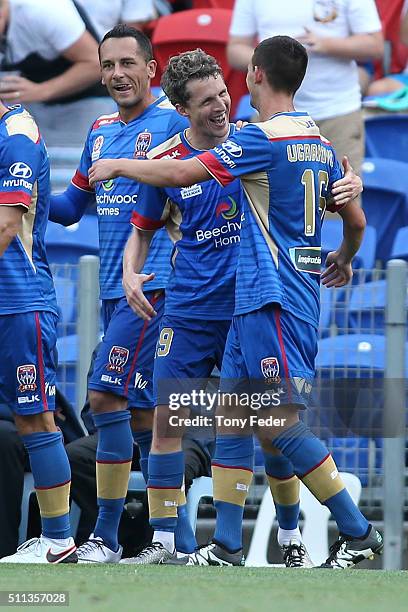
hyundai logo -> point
(20, 170)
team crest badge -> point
(143, 142)
(118, 357)
(26, 376)
(96, 149)
(270, 369)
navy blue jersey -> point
(204, 222)
(25, 279)
(286, 169)
(110, 137)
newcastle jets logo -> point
(118, 357)
(270, 369)
(142, 145)
(26, 376)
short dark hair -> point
(284, 61)
(124, 31)
(183, 68)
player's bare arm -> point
(347, 188)
(158, 172)
(11, 219)
(360, 47)
(339, 271)
(84, 72)
(134, 258)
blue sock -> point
(113, 460)
(144, 441)
(314, 465)
(284, 487)
(232, 468)
(184, 535)
(166, 473)
(52, 479)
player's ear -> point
(182, 110)
(151, 69)
(258, 74)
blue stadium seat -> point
(244, 111)
(63, 161)
(65, 289)
(68, 244)
(387, 136)
(349, 400)
(67, 348)
(366, 309)
(350, 354)
(327, 305)
(385, 200)
(352, 454)
(400, 246)
(332, 236)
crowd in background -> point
(51, 56)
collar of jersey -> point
(187, 144)
(290, 114)
(12, 110)
(146, 111)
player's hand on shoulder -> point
(103, 170)
(338, 272)
(348, 187)
(133, 286)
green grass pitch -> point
(196, 589)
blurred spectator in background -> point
(56, 58)
(105, 14)
(336, 35)
(394, 82)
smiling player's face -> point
(125, 71)
(208, 107)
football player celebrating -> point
(123, 368)
(290, 175)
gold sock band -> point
(324, 480)
(112, 479)
(163, 502)
(54, 501)
(231, 484)
(285, 492)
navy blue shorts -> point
(124, 361)
(187, 349)
(29, 361)
(271, 348)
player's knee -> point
(106, 402)
(35, 423)
(165, 445)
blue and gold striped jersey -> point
(25, 279)
(286, 169)
(204, 222)
(110, 137)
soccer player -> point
(289, 171)
(28, 318)
(206, 250)
(122, 372)
(197, 315)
